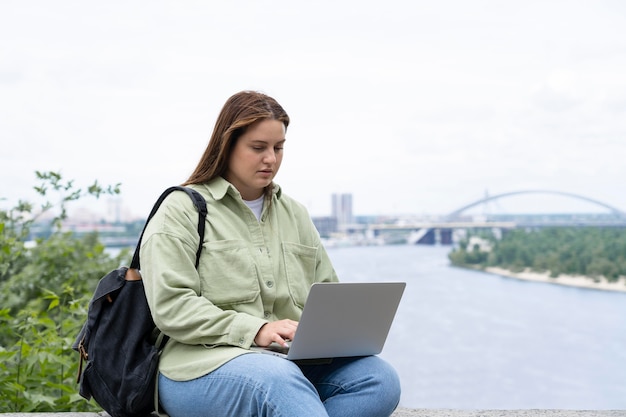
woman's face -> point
(256, 158)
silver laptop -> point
(343, 319)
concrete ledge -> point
(407, 412)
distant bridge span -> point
(457, 212)
(443, 231)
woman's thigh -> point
(249, 385)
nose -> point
(270, 157)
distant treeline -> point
(592, 252)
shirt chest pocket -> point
(300, 264)
(227, 274)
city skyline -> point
(340, 205)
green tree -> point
(598, 253)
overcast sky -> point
(412, 106)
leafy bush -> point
(44, 294)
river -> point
(466, 339)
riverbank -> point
(568, 280)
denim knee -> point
(360, 387)
(388, 383)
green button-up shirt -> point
(251, 272)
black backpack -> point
(119, 340)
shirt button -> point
(241, 341)
(267, 314)
(270, 284)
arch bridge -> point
(443, 231)
(613, 210)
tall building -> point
(114, 210)
(342, 210)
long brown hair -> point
(239, 112)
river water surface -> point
(470, 340)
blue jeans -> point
(264, 385)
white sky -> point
(412, 106)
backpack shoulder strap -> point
(200, 205)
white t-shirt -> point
(256, 206)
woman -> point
(260, 255)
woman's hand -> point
(276, 331)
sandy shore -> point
(573, 281)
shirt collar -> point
(219, 187)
